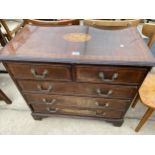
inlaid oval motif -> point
(77, 37)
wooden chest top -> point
(79, 44)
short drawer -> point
(47, 109)
(39, 71)
(74, 101)
(115, 75)
(81, 89)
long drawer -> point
(73, 101)
(81, 89)
(47, 109)
(37, 71)
(107, 74)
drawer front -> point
(47, 109)
(116, 75)
(40, 71)
(73, 101)
(81, 89)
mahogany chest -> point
(78, 70)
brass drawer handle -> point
(45, 90)
(52, 110)
(41, 76)
(49, 102)
(99, 92)
(102, 105)
(102, 77)
(101, 113)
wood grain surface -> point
(47, 44)
(147, 90)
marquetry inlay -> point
(77, 37)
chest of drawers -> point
(70, 80)
(82, 90)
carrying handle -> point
(44, 90)
(39, 76)
(51, 110)
(100, 113)
(102, 105)
(107, 94)
(102, 77)
(49, 102)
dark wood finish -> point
(4, 97)
(103, 74)
(40, 71)
(37, 117)
(47, 44)
(73, 63)
(79, 89)
(116, 122)
(144, 119)
(74, 101)
(42, 108)
(17, 85)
